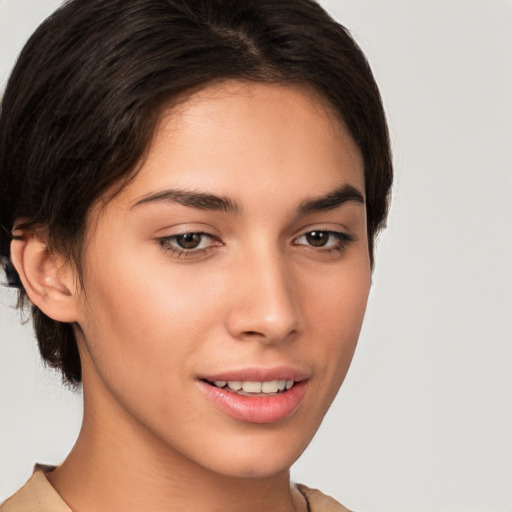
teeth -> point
(251, 387)
(272, 386)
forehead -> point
(246, 140)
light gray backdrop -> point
(424, 420)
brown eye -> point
(193, 243)
(324, 240)
(318, 238)
(189, 240)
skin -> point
(255, 293)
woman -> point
(192, 190)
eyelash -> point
(341, 241)
(167, 241)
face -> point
(225, 286)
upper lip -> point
(258, 374)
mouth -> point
(257, 395)
(254, 388)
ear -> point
(48, 278)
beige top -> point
(37, 495)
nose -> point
(265, 305)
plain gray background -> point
(424, 419)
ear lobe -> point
(47, 278)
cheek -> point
(144, 320)
(335, 312)
(337, 301)
(136, 293)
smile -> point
(252, 388)
(257, 395)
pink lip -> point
(259, 374)
(256, 409)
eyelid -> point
(341, 235)
(338, 239)
(325, 226)
(166, 243)
(342, 240)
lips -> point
(257, 395)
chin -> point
(263, 453)
(262, 466)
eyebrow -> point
(211, 202)
(191, 199)
(331, 201)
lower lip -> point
(257, 409)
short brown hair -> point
(83, 100)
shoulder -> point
(319, 502)
(37, 495)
